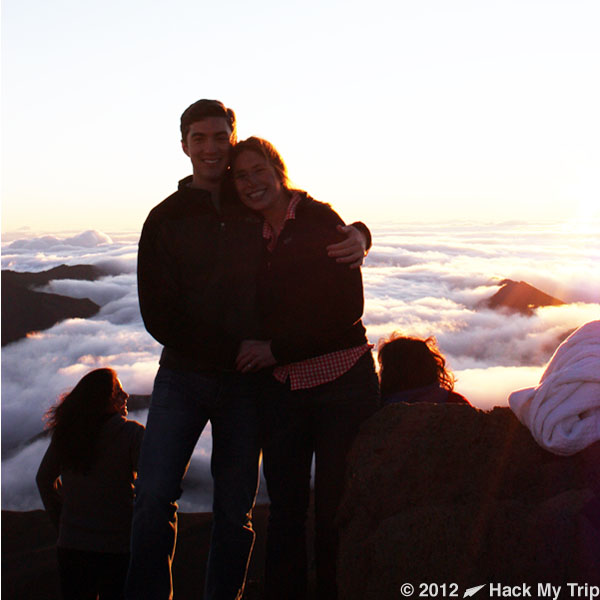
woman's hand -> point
(254, 355)
(351, 250)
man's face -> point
(207, 144)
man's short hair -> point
(203, 109)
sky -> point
(390, 110)
(425, 280)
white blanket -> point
(563, 411)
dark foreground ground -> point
(29, 556)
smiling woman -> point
(262, 183)
(323, 385)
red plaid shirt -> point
(318, 370)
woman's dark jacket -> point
(311, 305)
(92, 510)
(429, 393)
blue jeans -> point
(323, 421)
(182, 403)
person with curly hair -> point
(414, 370)
(86, 483)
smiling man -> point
(198, 258)
(207, 143)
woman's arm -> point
(49, 484)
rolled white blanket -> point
(563, 411)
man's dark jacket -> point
(197, 277)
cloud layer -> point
(420, 280)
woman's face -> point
(257, 182)
(121, 396)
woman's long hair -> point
(408, 362)
(77, 417)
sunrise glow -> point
(399, 110)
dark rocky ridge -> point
(28, 279)
(442, 493)
(25, 310)
(29, 570)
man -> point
(198, 256)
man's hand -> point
(254, 355)
(351, 250)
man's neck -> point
(210, 185)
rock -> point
(29, 569)
(449, 493)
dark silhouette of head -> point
(203, 109)
(409, 362)
(267, 151)
(77, 417)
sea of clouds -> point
(420, 279)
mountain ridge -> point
(25, 310)
(520, 296)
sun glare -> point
(585, 191)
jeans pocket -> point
(163, 386)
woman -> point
(86, 483)
(414, 370)
(324, 383)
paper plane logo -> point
(472, 591)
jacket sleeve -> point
(137, 436)
(159, 292)
(49, 484)
(164, 304)
(365, 231)
(328, 299)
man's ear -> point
(184, 148)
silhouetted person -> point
(414, 370)
(86, 483)
(323, 385)
(198, 260)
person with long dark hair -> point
(324, 383)
(86, 483)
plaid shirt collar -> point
(269, 233)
